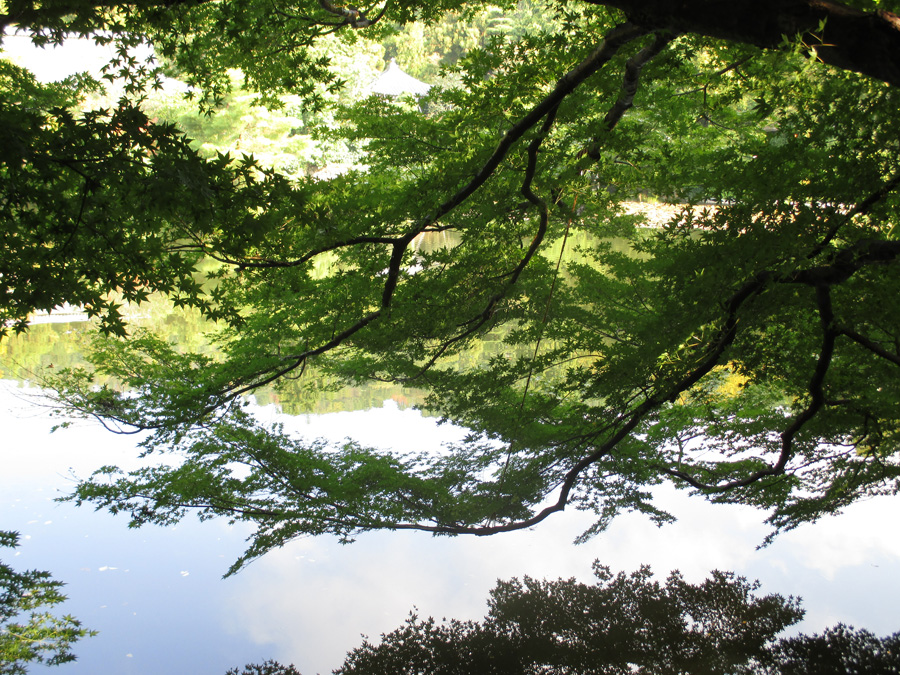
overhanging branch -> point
(846, 263)
(630, 83)
(869, 344)
(614, 41)
(838, 35)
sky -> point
(53, 63)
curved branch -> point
(860, 209)
(630, 82)
(481, 319)
(817, 402)
(256, 262)
(816, 390)
(627, 422)
(613, 41)
(847, 263)
(869, 344)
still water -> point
(162, 608)
(158, 598)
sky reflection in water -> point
(157, 597)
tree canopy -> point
(623, 624)
(28, 633)
(746, 350)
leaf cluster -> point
(29, 633)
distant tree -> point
(840, 650)
(28, 633)
(622, 625)
(424, 49)
(266, 668)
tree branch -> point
(613, 41)
(848, 262)
(840, 36)
(860, 209)
(817, 402)
(869, 344)
(618, 37)
(633, 68)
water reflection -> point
(159, 601)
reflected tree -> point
(266, 668)
(29, 634)
(747, 350)
(840, 650)
(620, 625)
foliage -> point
(288, 138)
(28, 633)
(622, 624)
(67, 178)
(426, 49)
(840, 650)
(267, 668)
(746, 350)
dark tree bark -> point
(864, 42)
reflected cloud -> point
(309, 602)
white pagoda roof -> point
(394, 82)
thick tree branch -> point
(846, 263)
(629, 88)
(864, 42)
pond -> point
(159, 601)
